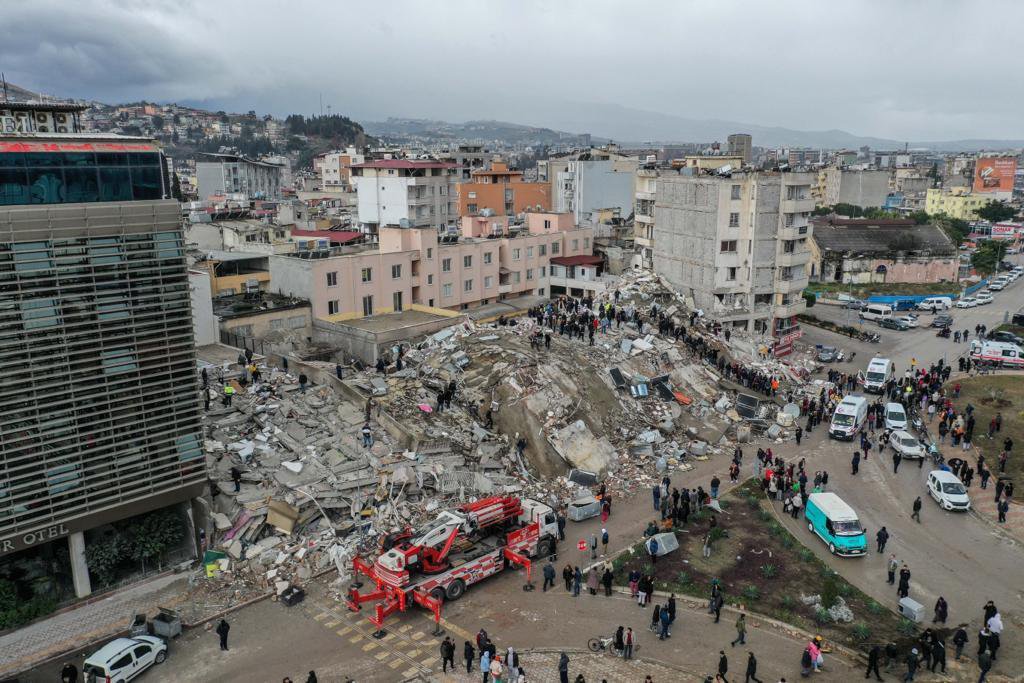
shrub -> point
(769, 570)
(907, 627)
(875, 608)
(765, 515)
(829, 590)
(717, 533)
(724, 504)
(821, 616)
(810, 298)
(775, 528)
(752, 592)
(806, 555)
(648, 569)
(787, 602)
(684, 579)
(787, 542)
(861, 631)
(845, 589)
(753, 503)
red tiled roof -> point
(581, 260)
(335, 236)
(404, 163)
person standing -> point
(563, 668)
(855, 463)
(960, 639)
(577, 582)
(903, 590)
(799, 434)
(912, 662)
(549, 576)
(882, 538)
(447, 654)
(469, 654)
(606, 580)
(592, 580)
(1002, 508)
(222, 631)
(891, 568)
(69, 674)
(604, 542)
(593, 546)
(938, 654)
(896, 458)
(941, 611)
(718, 602)
(741, 631)
(984, 664)
(873, 657)
(917, 510)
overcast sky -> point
(908, 70)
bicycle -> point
(603, 644)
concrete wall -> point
(365, 345)
(209, 178)
(285, 323)
(864, 188)
(599, 185)
(203, 322)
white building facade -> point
(406, 193)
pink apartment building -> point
(490, 260)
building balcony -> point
(504, 289)
(794, 307)
(643, 218)
(794, 232)
(791, 286)
(794, 258)
(647, 196)
(803, 205)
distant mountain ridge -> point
(512, 133)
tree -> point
(987, 256)
(176, 188)
(920, 217)
(996, 211)
(158, 121)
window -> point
(332, 307)
(529, 273)
(430, 278)
(555, 248)
(543, 250)
(547, 224)
(471, 208)
(529, 252)
(142, 651)
(472, 195)
(789, 246)
(790, 218)
(515, 254)
(396, 271)
(518, 277)
(728, 246)
(332, 279)
(467, 261)
(735, 192)
(734, 220)
(396, 302)
(122, 663)
(367, 274)
(488, 281)
(543, 271)
(487, 257)
(368, 305)
(446, 290)
(786, 273)
(430, 252)
(55, 177)
(575, 245)
(467, 286)
(446, 265)
(730, 273)
(586, 243)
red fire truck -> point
(441, 559)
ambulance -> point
(999, 353)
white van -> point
(880, 371)
(122, 659)
(876, 312)
(935, 303)
(948, 491)
(849, 418)
(1000, 353)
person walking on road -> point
(917, 510)
(741, 631)
(891, 568)
(903, 590)
(960, 639)
(873, 657)
(896, 458)
(1002, 508)
(717, 606)
(723, 667)
(984, 664)
(941, 611)
(855, 463)
(222, 630)
(938, 655)
(752, 669)
(912, 662)
(549, 576)
(604, 542)
(881, 538)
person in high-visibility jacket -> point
(229, 392)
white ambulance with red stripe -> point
(997, 353)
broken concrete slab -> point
(580, 448)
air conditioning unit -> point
(62, 118)
(43, 121)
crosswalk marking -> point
(408, 673)
(332, 623)
(419, 635)
(381, 656)
(356, 638)
(344, 631)
(395, 663)
(321, 616)
(370, 646)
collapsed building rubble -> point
(519, 417)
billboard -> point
(994, 174)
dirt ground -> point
(990, 394)
(762, 567)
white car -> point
(966, 302)
(909, 320)
(122, 659)
(906, 444)
(948, 491)
(983, 298)
(997, 285)
(895, 416)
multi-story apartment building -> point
(99, 413)
(501, 192)
(586, 181)
(863, 188)
(335, 168)
(956, 202)
(489, 261)
(405, 193)
(218, 174)
(741, 145)
(643, 214)
(737, 245)
(468, 159)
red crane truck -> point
(441, 559)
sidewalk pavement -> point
(542, 665)
(79, 626)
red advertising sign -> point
(582, 545)
(994, 174)
(26, 146)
